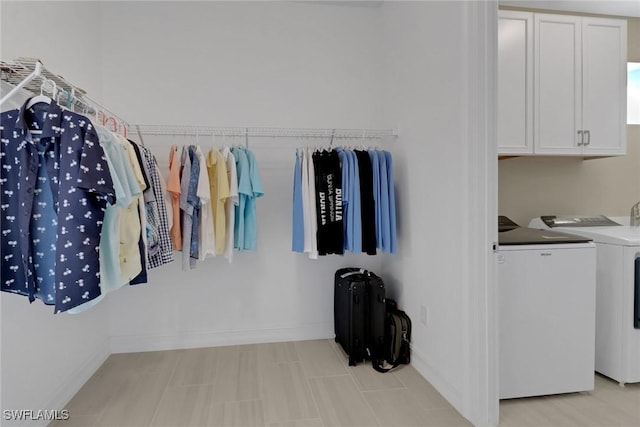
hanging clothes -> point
(149, 239)
(249, 188)
(68, 157)
(232, 203)
(206, 231)
(311, 229)
(244, 193)
(174, 189)
(131, 226)
(217, 204)
(367, 202)
(328, 181)
(220, 193)
(297, 244)
(354, 226)
(157, 209)
(306, 202)
(250, 214)
(188, 206)
(126, 188)
(343, 200)
(377, 194)
(393, 245)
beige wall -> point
(534, 186)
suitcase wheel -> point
(352, 361)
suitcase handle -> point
(351, 273)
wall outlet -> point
(423, 315)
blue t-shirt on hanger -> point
(392, 204)
(245, 192)
(297, 240)
(250, 216)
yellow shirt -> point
(130, 222)
(219, 185)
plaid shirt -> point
(157, 214)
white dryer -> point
(617, 289)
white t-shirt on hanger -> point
(232, 201)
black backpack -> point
(397, 338)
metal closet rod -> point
(263, 132)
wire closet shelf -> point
(264, 132)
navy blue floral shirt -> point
(54, 188)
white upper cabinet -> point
(604, 86)
(515, 82)
(558, 85)
(578, 85)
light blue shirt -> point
(355, 214)
(385, 214)
(297, 240)
(245, 192)
(250, 217)
(392, 205)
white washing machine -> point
(546, 293)
(618, 289)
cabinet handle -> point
(580, 139)
(588, 132)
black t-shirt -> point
(328, 180)
(367, 203)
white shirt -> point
(206, 232)
(313, 226)
(232, 201)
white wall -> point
(255, 64)
(243, 63)
(424, 101)
(428, 98)
(45, 357)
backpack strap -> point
(378, 364)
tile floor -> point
(300, 384)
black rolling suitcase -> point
(359, 313)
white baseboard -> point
(444, 387)
(155, 342)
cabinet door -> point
(515, 82)
(604, 68)
(558, 85)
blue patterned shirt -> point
(56, 183)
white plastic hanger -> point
(43, 98)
